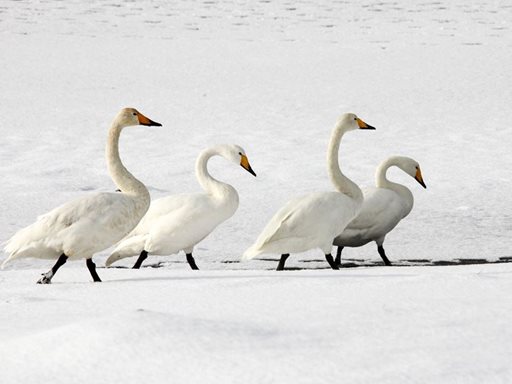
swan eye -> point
(355, 118)
(134, 113)
(240, 153)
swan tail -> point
(30, 242)
(267, 236)
(18, 254)
(35, 251)
(4, 245)
(251, 253)
(6, 261)
(270, 233)
(13, 253)
(131, 246)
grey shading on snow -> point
(415, 324)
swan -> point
(313, 221)
(383, 208)
(82, 227)
(179, 222)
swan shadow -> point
(262, 274)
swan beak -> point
(362, 124)
(419, 178)
(244, 163)
(143, 120)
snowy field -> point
(398, 325)
(432, 77)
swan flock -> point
(127, 219)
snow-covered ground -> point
(392, 325)
(433, 77)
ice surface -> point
(272, 76)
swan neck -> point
(211, 185)
(123, 179)
(342, 183)
(381, 181)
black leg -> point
(280, 266)
(192, 262)
(143, 256)
(47, 277)
(382, 254)
(338, 255)
(331, 262)
(92, 269)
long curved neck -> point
(342, 183)
(211, 185)
(381, 181)
(123, 179)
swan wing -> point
(157, 209)
(172, 224)
(184, 227)
(90, 223)
(305, 223)
(381, 211)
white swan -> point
(179, 222)
(383, 208)
(82, 227)
(313, 221)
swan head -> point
(237, 155)
(350, 122)
(130, 116)
(412, 168)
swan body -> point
(84, 226)
(384, 206)
(312, 221)
(305, 223)
(179, 222)
(77, 228)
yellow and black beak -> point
(244, 163)
(419, 178)
(143, 120)
(362, 124)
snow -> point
(417, 324)
(432, 77)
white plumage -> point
(179, 222)
(82, 227)
(78, 228)
(383, 208)
(314, 220)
